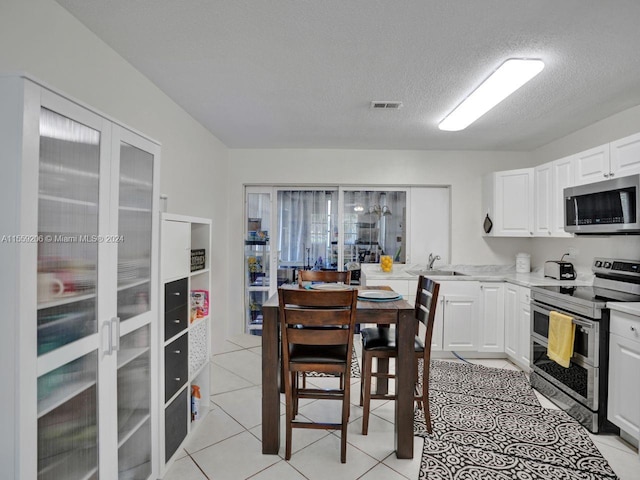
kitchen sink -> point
(436, 273)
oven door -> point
(586, 345)
(580, 380)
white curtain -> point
(307, 227)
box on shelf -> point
(254, 224)
(199, 304)
(198, 259)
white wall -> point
(42, 39)
(612, 128)
(462, 170)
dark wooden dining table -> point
(398, 312)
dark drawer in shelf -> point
(175, 423)
(175, 294)
(175, 321)
(176, 365)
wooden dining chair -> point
(317, 336)
(326, 276)
(380, 342)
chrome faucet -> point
(432, 260)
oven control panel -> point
(616, 266)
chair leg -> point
(294, 392)
(366, 379)
(289, 414)
(425, 397)
(418, 395)
(346, 406)
(362, 381)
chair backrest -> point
(327, 276)
(317, 317)
(426, 302)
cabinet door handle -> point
(606, 175)
(115, 333)
(177, 352)
(177, 294)
(107, 343)
(177, 379)
(611, 174)
(177, 320)
(633, 329)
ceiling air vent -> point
(386, 105)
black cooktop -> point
(592, 294)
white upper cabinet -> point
(551, 179)
(625, 156)
(615, 159)
(508, 199)
(562, 175)
(592, 165)
(544, 199)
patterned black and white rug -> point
(488, 424)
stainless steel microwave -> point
(603, 208)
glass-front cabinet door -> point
(71, 217)
(136, 290)
(95, 295)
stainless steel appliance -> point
(605, 208)
(559, 270)
(581, 389)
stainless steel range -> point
(581, 389)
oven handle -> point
(575, 319)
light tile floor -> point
(227, 443)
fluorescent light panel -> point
(509, 77)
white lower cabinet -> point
(624, 373)
(524, 335)
(456, 322)
(491, 321)
(517, 324)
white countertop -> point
(632, 308)
(477, 273)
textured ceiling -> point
(302, 73)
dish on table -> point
(379, 295)
(329, 286)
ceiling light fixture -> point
(509, 77)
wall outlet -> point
(573, 252)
